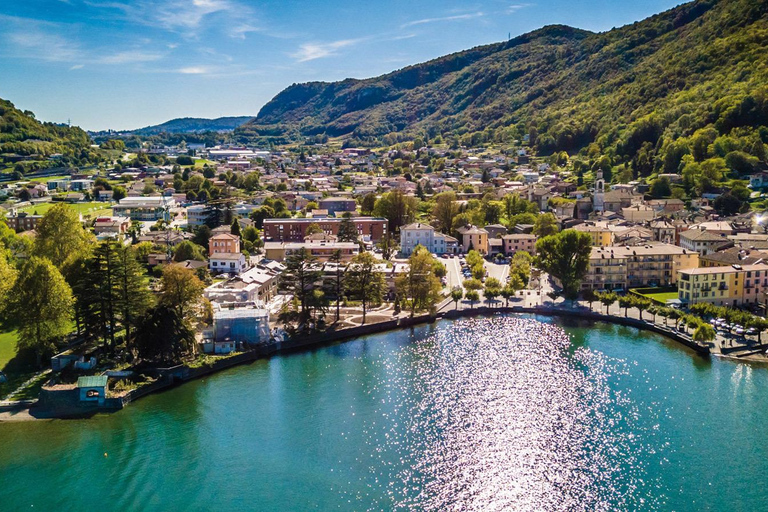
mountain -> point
(633, 91)
(21, 135)
(194, 125)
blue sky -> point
(130, 63)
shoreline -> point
(172, 377)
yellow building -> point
(735, 285)
(636, 266)
(601, 232)
(475, 238)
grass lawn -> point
(7, 347)
(661, 296)
(93, 208)
(199, 162)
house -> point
(257, 285)
(336, 205)
(426, 235)
(81, 185)
(22, 221)
(475, 238)
(323, 250)
(518, 242)
(638, 213)
(111, 226)
(703, 241)
(227, 262)
(223, 243)
(92, 389)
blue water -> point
(502, 413)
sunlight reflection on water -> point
(499, 415)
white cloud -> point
(516, 7)
(240, 31)
(129, 57)
(77, 66)
(312, 51)
(457, 17)
(175, 15)
(194, 70)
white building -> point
(197, 215)
(227, 262)
(424, 234)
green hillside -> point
(646, 94)
(24, 138)
(194, 125)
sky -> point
(125, 64)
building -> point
(703, 241)
(369, 229)
(257, 285)
(425, 235)
(733, 256)
(598, 195)
(735, 285)
(474, 238)
(624, 267)
(638, 213)
(23, 221)
(336, 205)
(600, 232)
(241, 325)
(518, 242)
(323, 250)
(197, 214)
(149, 209)
(80, 185)
(111, 226)
(227, 262)
(223, 243)
(92, 388)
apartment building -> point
(518, 242)
(372, 229)
(734, 285)
(475, 238)
(625, 267)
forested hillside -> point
(690, 81)
(21, 135)
(194, 125)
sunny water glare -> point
(500, 413)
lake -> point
(493, 413)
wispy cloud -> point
(194, 70)
(176, 15)
(312, 51)
(129, 57)
(457, 17)
(516, 7)
(77, 66)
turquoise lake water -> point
(501, 413)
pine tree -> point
(133, 294)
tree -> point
(566, 257)
(492, 289)
(759, 324)
(419, 283)
(134, 297)
(347, 230)
(40, 307)
(363, 281)
(456, 295)
(704, 332)
(298, 278)
(472, 296)
(235, 228)
(163, 336)
(187, 250)
(608, 299)
(642, 304)
(181, 290)
(367, 203)
(202, 235)
(545, 225)
(388, 246)
(118, 193)
(590, 296)
(727, 204)
(473, 284)
(336, 258)
(61, 237)
(444, 211)
(313, 228)
(626, 302)
(397, 208)
(8, 275)
(514, 285)
(661, 188)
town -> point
(220, 250)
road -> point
(454, 271)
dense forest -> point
(23, 136)
(683, 88)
